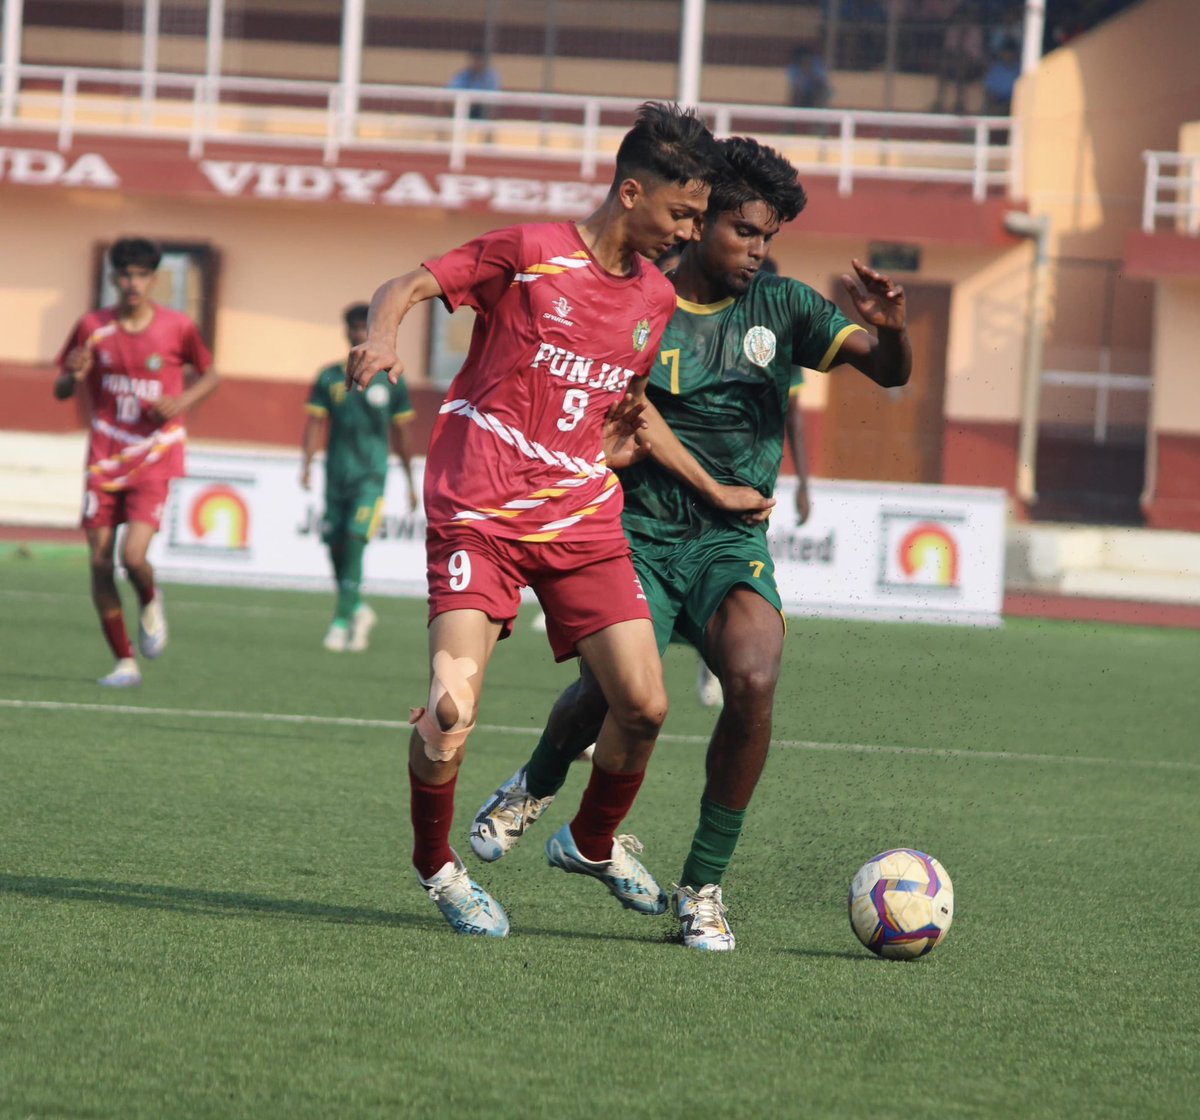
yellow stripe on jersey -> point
(402, 418)
(539, 538)
(703, 308)
(836, 345)
(557, 492)
(316, 410)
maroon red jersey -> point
(129, 371)
(516, 450)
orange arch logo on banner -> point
(219, 516)
(928, 553)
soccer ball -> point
(901, 904)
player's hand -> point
(78, 362)
(743, 500)
(623, 442)
(880, 303)
(165, 408)
(803, 504)
(370, 358)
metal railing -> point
(974, 151)
(1172, 191)
(1104, 384)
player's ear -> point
(698, 227)
(630, 192)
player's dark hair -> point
(667, 143)
(752, 172)
(356, 314)
(135, 252)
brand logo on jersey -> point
(377, 396)
(154, 363)
(562, 309)
(759, 346)
(641, 335)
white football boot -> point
(701, 915)
(337, 638)
(361, 627)
(152, 628)
(465, 904)
(504, 817)
(125, 675)
(708, 688)
(625, 875)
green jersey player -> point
(362, 428)
(719, 392)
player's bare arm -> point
(314, 437)
(667, 450)
(76, 366)
(399, 443)
(167, 408)
(886, 357)
(390, 303)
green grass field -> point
(208, 909)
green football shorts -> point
(352, 512)
(685, 582)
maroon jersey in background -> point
(517, 448)
(129, 370)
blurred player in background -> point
(721, 385)
(361, 429)
(519, 490)
(131, 360)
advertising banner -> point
(869, 550)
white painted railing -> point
(1172, 191)
(849, 145)
(1104, 384)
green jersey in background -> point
(721, 382)
(359, 425)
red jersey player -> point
(519, 492)
(131, 359)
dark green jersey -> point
(721, 382)
(359, 424)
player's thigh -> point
(336, 517)
(102, 509)
(744, 641)
(625, 660)
(470, 571)
(663, 592)
(367, 511)
(136, 542)
(461, 643)
(720, 563)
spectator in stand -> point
(808, 80)
(478, 74)
(962, 58)
(998, 82)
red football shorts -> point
(105, 509)
(584, 587)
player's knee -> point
(102, 565)
(446, 721)
(750, 682)
(642, 711)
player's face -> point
(356, 333)
(662, 215)
(735, 244)
(133, 284)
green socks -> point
(547, 768)
(349, 574)
(713, 845)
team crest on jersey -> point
(759, 346)
(377, 396)
(641, 335)
(154, 363)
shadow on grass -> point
(847, 954)
(156, 896)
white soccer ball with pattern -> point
(901, 903)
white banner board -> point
(869, 550)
